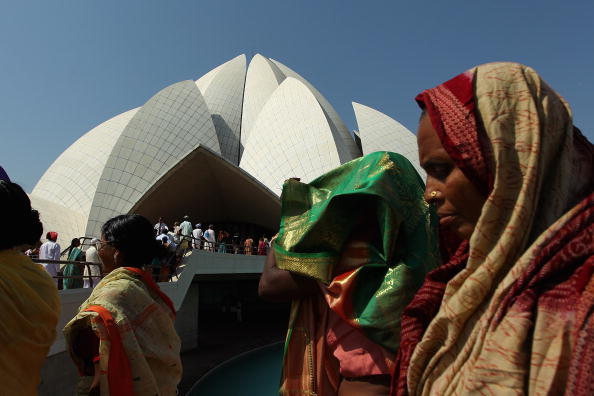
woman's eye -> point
(440, 171)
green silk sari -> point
(364, 231)
(73, 270)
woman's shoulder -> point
(28, 279)
(121, 289)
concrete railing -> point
(199, 262)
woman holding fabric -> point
(511, 178)
(30, 302)
(123, 339)
(353, 247)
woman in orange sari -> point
(123, 339)
(510, 312)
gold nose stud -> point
(433, 194)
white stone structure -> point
(68, 186)
(291, 138)
(223, 95)
(378, 132)
(347, 149)
(263, 78)
(229, 138)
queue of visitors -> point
(209, 239)
(180, 239)
(480, 281)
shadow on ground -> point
(222, 337)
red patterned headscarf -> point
(451, 107)
(512, 137)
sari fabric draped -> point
(139, 349)
(73, 270)
(367, 235)
(516, 316)
(28, 319)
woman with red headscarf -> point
(510, 312)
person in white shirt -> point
(175, 227)
(162, 235)
(186, 226)
(174, 236)
(186, 232)
(50, 250)
(197, 234)
(160, 227)
(209, 236)
(92, 256)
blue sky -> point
(67, 66)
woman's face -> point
(457, 201)
(108, 255)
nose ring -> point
(433, 194)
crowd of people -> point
(79, 265)
(480, 281)
(183, 236)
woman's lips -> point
(446, 220)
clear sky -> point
(67, 66)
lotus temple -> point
(217, 149)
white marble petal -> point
(224, 97)
(290, 138)
(347, 148)
(163, 132)
(262, 79)
(72, 179)
(378, 132)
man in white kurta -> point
(209, 236)
(92, 256)
(50, 250)
(197, 234)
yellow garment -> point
(146, 326)
(462, 351)
(28, 319)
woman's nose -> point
(432, 192)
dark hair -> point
(74, 243)
(133, 236)
(15, 209)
